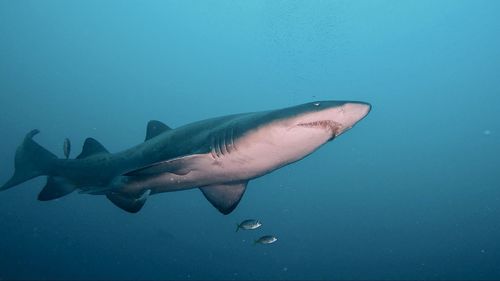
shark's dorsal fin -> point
(128, 203)
(91, 147)
(155, 128)
(224, 197)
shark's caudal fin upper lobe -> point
(31, 160)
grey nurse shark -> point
(218, 155)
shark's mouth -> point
(334, 127)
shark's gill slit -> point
(227, 137)
(217, 146)
(223, 147)
(212, 148)
(227, 143)
(233, 146)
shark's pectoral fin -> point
(91, 147)
(224, 197)
(179, 166)
(155, 128)
(129, 203)
(56, 187)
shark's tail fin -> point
(237, 227)
(31, 160)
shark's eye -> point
(316, 104)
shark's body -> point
(218, 155)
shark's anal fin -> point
(56, 187)
(224, 197)
(129, 203)
(155, 128)
(91, 147)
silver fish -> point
(67, 147)
(267, 239)
(248, 224)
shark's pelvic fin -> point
(155, 128)
(91, 147)
(129, 203)
(224, 197)
(56, 187)
(179, 166)
(31, 160)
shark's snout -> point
(352, 113)
(336, 117)
(358, 109)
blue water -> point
(412, 192)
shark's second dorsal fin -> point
(155, 128)
(91, 147)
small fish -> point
(266, 239)
(248, 224)
(67, 148)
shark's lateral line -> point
(218, 155)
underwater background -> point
(412, 192)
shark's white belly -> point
(252, 156)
